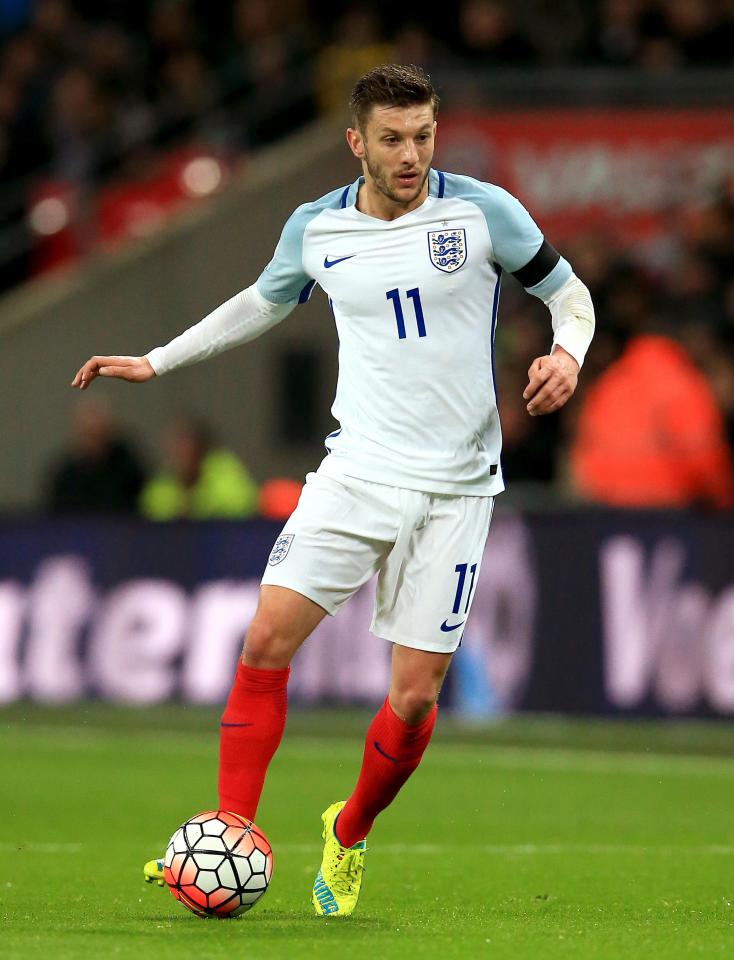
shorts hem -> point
(425, 645)
(310, 593)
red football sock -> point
(252, 727)
(392, 751)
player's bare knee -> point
(414, 704)
(265, 645)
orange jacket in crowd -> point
(650, 433)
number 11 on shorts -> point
(461, 569)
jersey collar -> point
(435, 188)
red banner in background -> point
(633, 172)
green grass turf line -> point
(703, 737)
(552, 840)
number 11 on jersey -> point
(415, 296)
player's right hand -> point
(134, 369)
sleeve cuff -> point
(156, 359)
(573, 342)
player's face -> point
(396, 149)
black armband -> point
(539, 267)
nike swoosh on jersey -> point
(332, 263)
(447, 628)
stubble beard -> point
(381, 182)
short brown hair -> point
(391, 85)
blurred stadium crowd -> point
(89, 89)
(97, 91)
(81, 81)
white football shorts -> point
(426, 549)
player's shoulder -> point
(305, 212)
(480, 192)
(514, 235)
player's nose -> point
(410, 152)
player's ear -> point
(356, 142)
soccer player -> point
(410, 259)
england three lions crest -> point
(280, 549)
(447, 249)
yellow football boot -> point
(336, 888)
(153, 872)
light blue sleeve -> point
(553, 282)
(514, 235)
(284, 280)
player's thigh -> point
(282, 621)
(439, 576)
(334, 541)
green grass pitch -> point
(534, 838)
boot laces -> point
(347, 872)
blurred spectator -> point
(698, 32)
(189, 98)
(616, 38)
(171, 30)
(720, 373)
(58, 30)
(357, 45)
(650, 433)
(269, 63)
(201, 482)
(556, 31)
(21, 93)
(101, 473)
(414, 43)
(115, 61)
(279, 498)
(715, 233)
(81, 126)
(489, 37)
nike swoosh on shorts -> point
(447, 628)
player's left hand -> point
(552, 380)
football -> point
(218, 864)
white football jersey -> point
(415, 303)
